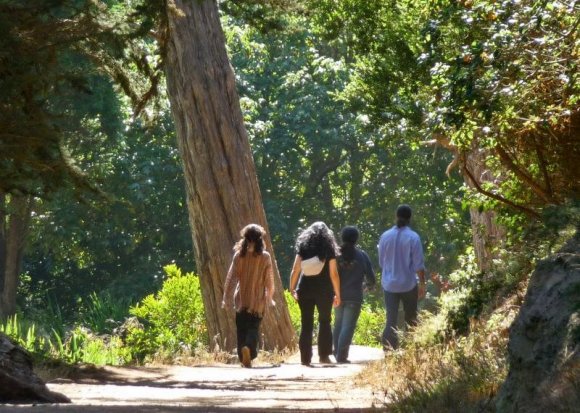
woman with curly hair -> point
(314, 283)
(249, 287)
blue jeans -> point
(409, 299)
(345, 318)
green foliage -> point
(76, 346)
(51, 53)
(370, 325)
(294, 310)
(103, 312)
(117, 248)
(474, 293)
(174, 318)
(82, 346)
(331, 161)
(477, 77)
(24, 333)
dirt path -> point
(217, 388)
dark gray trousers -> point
(392, 300)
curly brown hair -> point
(252, 233)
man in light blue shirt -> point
(403, 273)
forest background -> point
(466, 110)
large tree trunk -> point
(14, 220)
(221, 184)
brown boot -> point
(246, 357)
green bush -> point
(102, 313)
(78, 346)
(82, 346)
(24, 333)
(370, 325)
(173, 318)
(294, 311)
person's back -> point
(352, 275)
(403, 273)
(315, 290)
(400, 256)
(354, 266)
(255, 280)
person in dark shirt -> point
(314, 283)
(354, 267)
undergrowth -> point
(455, 360)
(459, 374)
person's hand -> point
(294, 294)
(336, 301)
(422, 290)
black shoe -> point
(345, 361)
(324, 360)
(305, 363)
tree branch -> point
(543, 167)
(497, 197)
(509, 163)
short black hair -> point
(404, 213)
(349, 234)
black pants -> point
(248, 326)
(307, 303)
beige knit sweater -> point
(250, 282)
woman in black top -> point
(354, 266)
(314, 282)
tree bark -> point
(486, 233)
(221, 184)
(18, 383)
(14, 220)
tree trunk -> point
(221, 184)
(14, 220)
(18, 383)
(487, 234)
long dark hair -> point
(317, 239)
(349, 236)
(251, 233)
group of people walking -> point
(326, 275)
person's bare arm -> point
(230, 284)
(295, 275)
(335, 280)
(269, 282)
